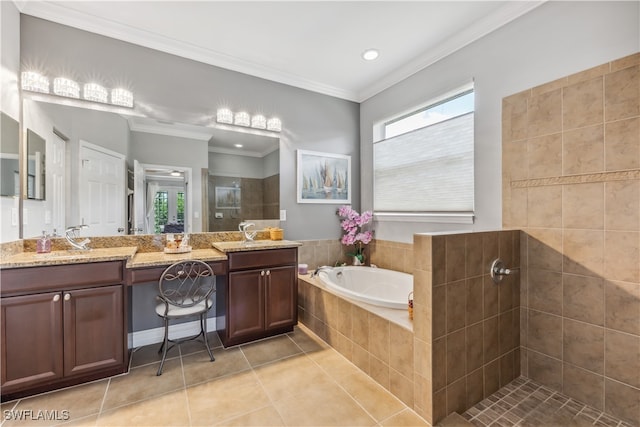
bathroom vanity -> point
(259, 296)
(62, 325)
(65, 314)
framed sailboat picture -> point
(323, 177)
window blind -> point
(426, 170)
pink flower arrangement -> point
(353, 224)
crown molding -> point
(507, 13)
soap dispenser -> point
(43, 246)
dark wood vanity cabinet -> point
(61, 325)
(259, 297)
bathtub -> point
(377, 286)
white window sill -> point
(444, 218)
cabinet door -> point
(245, 308)
(281, 297)
(31, 340)
(93, 329)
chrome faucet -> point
(71, 234)
(319, 269)
(247, 235)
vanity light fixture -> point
(259, 122)
(224, 115)
(242, 119)
(95, 92)
(66, 87)
(122, 97)
(370, 54)
(274, 124)
(34, 82)
(175, 173)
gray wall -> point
(553, 40)
(181, 90)
(9, 99)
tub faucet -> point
(71, 234)
(319, 269)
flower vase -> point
(357, 260)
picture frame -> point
(228, 198)
(323, 177)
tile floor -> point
(525, 403)
(289, 380)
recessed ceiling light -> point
(370, 54)
(175, 173)
(237, 145)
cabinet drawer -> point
(262, 258)
(152, 274)
(17, 281)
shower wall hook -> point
(498, 270)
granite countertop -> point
(34, 259)
(151, 259)
(239, 246)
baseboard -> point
(156, 335)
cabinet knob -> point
(262, 273)
(56, 298)
(268, 272)
(67, 297)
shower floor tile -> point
(525, 403)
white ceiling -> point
(311, 45)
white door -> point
(57, 189)
(138, 198)
(102, 190)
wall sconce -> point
(258, 121)
(36, 82)
(242, 119)
(66, 87)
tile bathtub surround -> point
(464, 343)
(289, 380)
(571, 183)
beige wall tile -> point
(474, 347)
(422, 245)
(583, 345)
(545, 291)
(507, 365)
(491, 372)
(490, 331)
(345, 318)
(544, 207)
(475, 387)
(622, 94)
(583, 150)
(438, 253)
(439, 370)
(456, 305)
(583, 298)
(515, 163)
(514, 114)
(622, 357)
(545, 370)
(583, 206)
(402, 388)
(456, 359)
(622, 401)
(622, 144)
(624, 62)
(457, 396)
(622, 255)
(582, 104)
(544, 249)
(544, 114)
(439, 311)
(379, 371)
(544, 155)
(583, 252)
(379, 337)
(583, 385)
(360, 327)
(549, 86)
(622, 306)
(474, 300)
(455, 261)
(622, 205)
(589, 74)
(516, 214)
(545, 333)
(401, 350)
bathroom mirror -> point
(9, 156)
(159, 142)
(36, 170)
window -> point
(180, 207)
(161, 209)
(424, 164)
